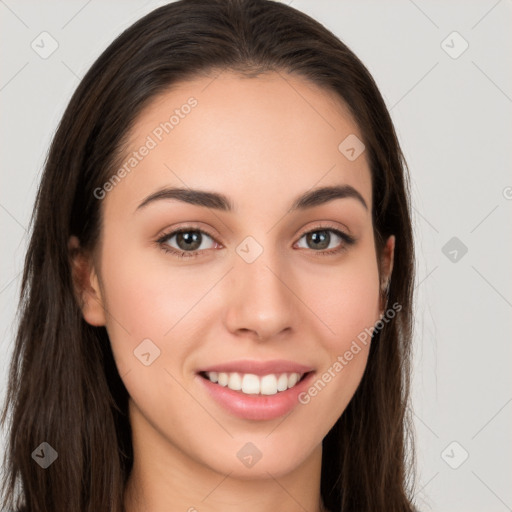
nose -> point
(262, 301)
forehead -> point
(273, 135)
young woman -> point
(216, 304)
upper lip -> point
(276, 366)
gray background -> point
(453, 115)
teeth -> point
(235, 381)
(251, 384)
(294, 377)
(268, 385)
(282, 382)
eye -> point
(327, 240)
(186, 242)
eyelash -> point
(161, 242)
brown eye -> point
(188, 240)
(318, 239)
(329, 241)
(183, 241)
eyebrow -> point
(218, 201)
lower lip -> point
(257, 407)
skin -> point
(262, 143)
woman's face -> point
(268, 282)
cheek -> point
(357, 314)
(345, 299)
(158, 300)
(347, 302)
(142, 303)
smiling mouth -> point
(251, 384)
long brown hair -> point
(64, 388)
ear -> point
(386, 269)
(86, 284)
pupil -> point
(320, 236)
(189, 237)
